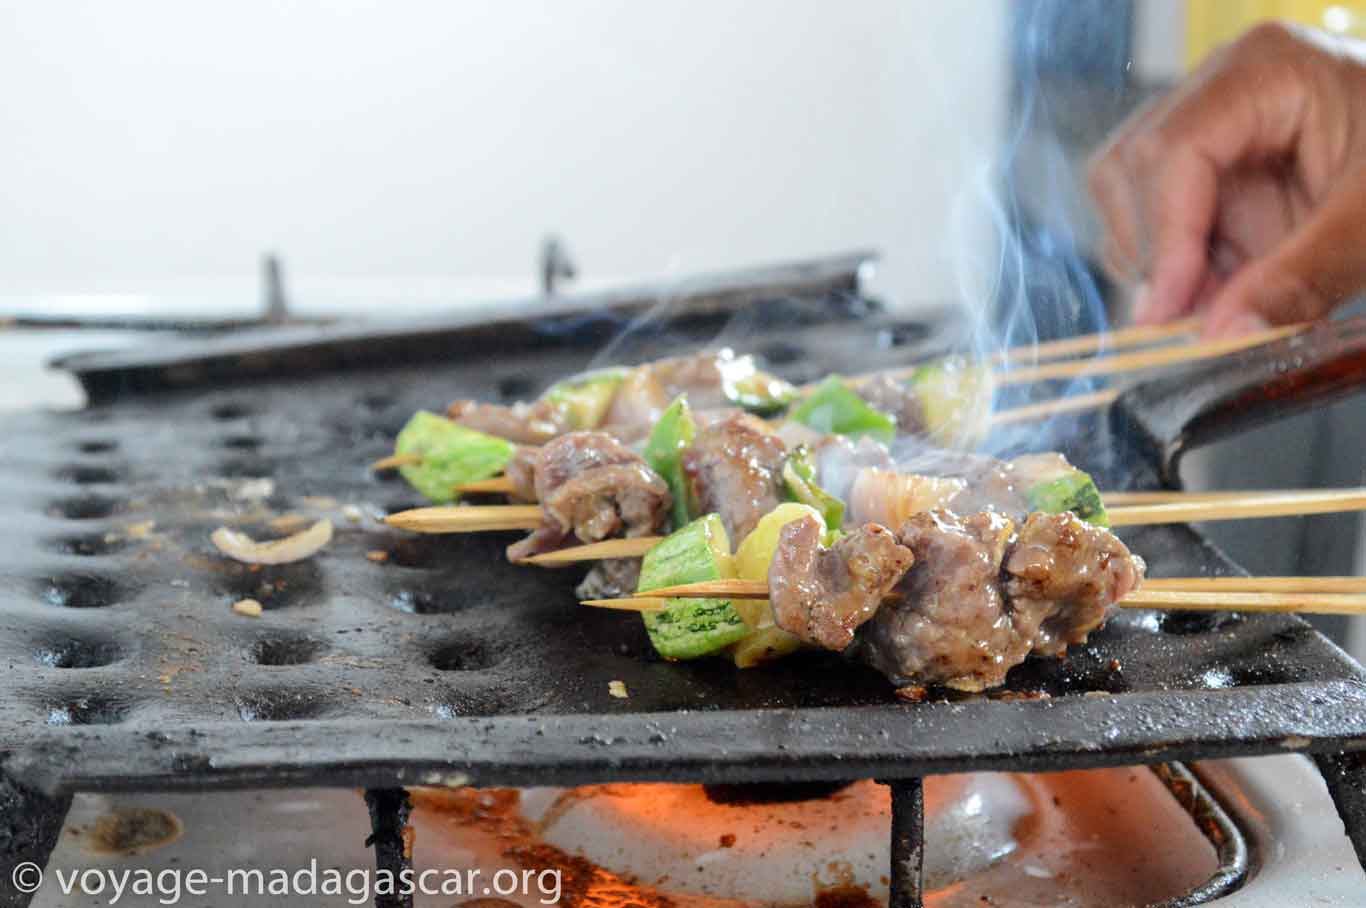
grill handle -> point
(1220, 397)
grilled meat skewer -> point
(949, 599)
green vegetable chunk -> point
(587, 397)
(955, 399)
(690, 628)
(1073, 491)
(664, 451)
(799, 475)
(834, 407)
(451, 455)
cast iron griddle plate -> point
(127, 669)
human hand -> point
(1242, 193)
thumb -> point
(1317, 266)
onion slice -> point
(304, 544)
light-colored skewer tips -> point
(609, 548)
(393, 461)
(467, 519)
(497, 485)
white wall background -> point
(405, 154)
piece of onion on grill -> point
(304, 544)
(889, 498)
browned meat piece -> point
(592, 487)
(897, 400)
(610, 579)
(948, 621)
(528, 424)
(822, 595)
(981, 597)
(734, 469)
(521, 472)
(649, 388)
(573, 455)
(1064, 578)
(602, 501)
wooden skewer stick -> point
(1302, 603)
(1263, 594)
(1076, 403)
(713, 589)
(466, 519)
(630, 604)
(1126, 499)
(1224, 586)
(1143, 359)
(1068, 347)
(1258, 584)
(1278, 504)
(1100, 342)
(501, 484)
(1112, 499)
(396, 460)
(608, 548)
(496, 485)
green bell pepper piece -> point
(799, 475)
(1073, 491)
(451, 455)
(835, 407)
(587, 397)
(664, 452)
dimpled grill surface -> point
(391, 658)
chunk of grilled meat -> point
(896, 399)
(948, 621)
(527, 424)
(949, 599)
(734, 469)
(521, 473)
(823, 595)
(592, 487)
(1064, 576)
